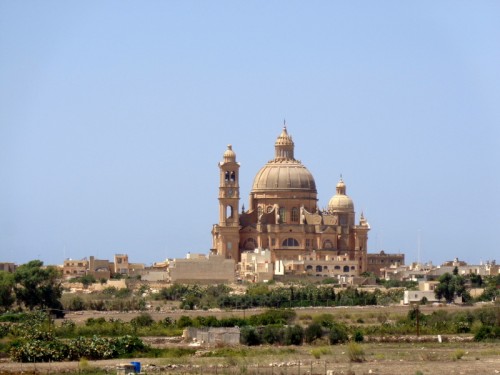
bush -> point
(143, 320)
(313, 332)
(273, 334)
(487, 333)
(276, 316)
(355, 352)
(358, 336)
(250, 336)
(338, 334)
(294, 335)
(184, 321)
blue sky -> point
(114, 115)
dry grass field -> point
(429, 357)
(393, 358)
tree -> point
(449, 287)
(6, 290)
(37, 286)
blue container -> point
(137, 366)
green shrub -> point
(313, 332)
(274, 316)
(338, 334)
(294, 335)
(459, 353)
(273, 334)
(184, 321)
(487, 333)
(142, 320)
(358, 336)
(355, 352)
(250, 336)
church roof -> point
(284, 172)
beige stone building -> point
(75, 268)
(283, 214)
(204, 270)
(378, 262)
(256, 266)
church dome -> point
(285, 175)
(340, 201)
(284, 172)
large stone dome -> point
(284, 175)
(284, 172)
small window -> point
(282, 215)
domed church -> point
(283, 214)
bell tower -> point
(226, 234)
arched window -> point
(282, 215)
(337, 267)
(327, 244)
(233, 176)
(290, 242)
(259, 211)
(346, 268)
(309, 268)
(226, 176)
(319, 269)
(269, 209)
(295, 215)
(229, 212)
(353, 268)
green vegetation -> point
(86, 280)
(451, 286)
(35, 341)
(7, 297)
(38, 287)
(355, 352)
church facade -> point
(283, 214)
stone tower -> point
(225, 234)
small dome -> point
(229, 154)
(340, 201)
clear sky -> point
(114, 115)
